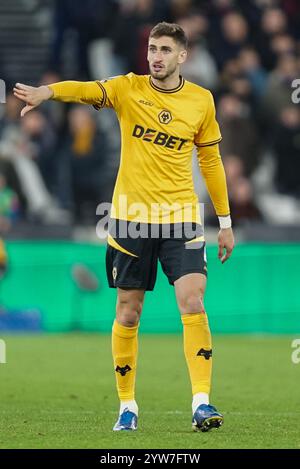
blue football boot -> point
(126, 421)
(205, 418)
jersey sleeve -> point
(212, 170)
(209, 131)
(112, 91)
(104, 93)
(82, 92)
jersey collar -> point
(172, 90)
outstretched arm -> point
(212, 169)
(66, 91)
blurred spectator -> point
(17, 150)
(283, 44)
(292, 10)
(241, 87)
(41, 138)
(231, 39)
(250, 64)
(132, 28)
(11, 115)
(242, 203)
(89, 19)
(230, 71)
(278, 88)
(9, 205)
(238, 131)
(200, 66)
(8, 170)
(286, 145)
(180, 7)
(82, 165)
(273, 22)
(54, 111)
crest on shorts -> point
(165, 117)
(114, 273)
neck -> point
(169, 83)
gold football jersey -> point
(159, 129)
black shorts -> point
(134, 249)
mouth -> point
(157, 67)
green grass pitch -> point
(58, 391)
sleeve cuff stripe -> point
(102, 103)
(208, 143)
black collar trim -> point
(172, 90)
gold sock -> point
(197, 350)
(124, 349)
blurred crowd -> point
(60, 161)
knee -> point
(129, 312)
(191, 303)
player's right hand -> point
(32, 96)
(225, 241)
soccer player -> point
(162, 116)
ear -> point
(182, 56)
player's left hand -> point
(225, 241)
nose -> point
(157, 56)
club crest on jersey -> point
(165, 117)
